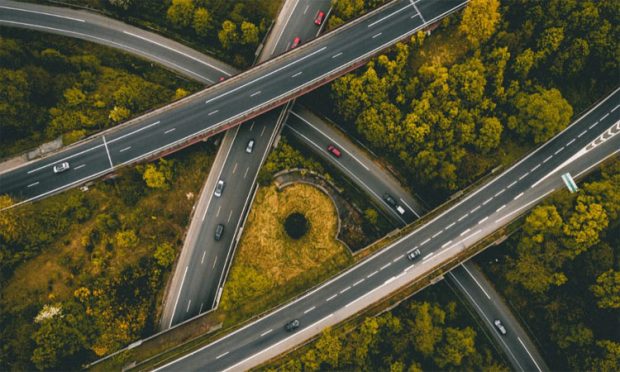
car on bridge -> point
(292, 325)
(219, 188)
(59, 168)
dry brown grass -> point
(268, 260)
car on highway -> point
(390, 200)
(219, 231)
(320, 16)
(250, 147)
(219, 188)
(292, 325)
(500, 327)
(59, 168)
(334, 150)
(296, 42)
(414, 254)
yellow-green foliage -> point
(268, 261)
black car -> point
(219, 231)
(292, 325)
(389, 199)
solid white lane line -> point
(424, 242)
(593, 125)
(264, 76)
(528, 353)
(604, 116)
(179, 52)
(33, 184)
(275, 45)
(170, 130)
(523, 176)
(309, 310)
(346, 289)
(500, 192)
(475, 209)
(446, 244)
(107, 152)
(388, 16)
(482, 220)
(174, 309)
(582, 133)
(221, 355)
(428, 256)
(331, 298)
(266, 332)
(570, 142)
(518, 196)
(536, 167)
(255, 93)
(547, 159)
(500, 208)
(246, 172)
(385, 266)
(476, 280)
(213, 112)
(463, 217)
(371, 274)
(408, 206)
(487, 201)
(558, 151)
(465, 232)
(337, 55)
(297, 74)
(377, 35)
(79, 166)
(436, 234)
(358, 282)
(125, 149)
(44, 13)
(202, 260)
(252, 126)
(512, 184)
(450, 225)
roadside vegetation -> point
(229, 30)
(496, 81)
(82, 273)
(561, 273)
(54, 86)
(429, 332)
(271, 266)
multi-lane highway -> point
(590, 139)
(199, 275)
(225, 104)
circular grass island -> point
(296, 225)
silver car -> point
(500, 327)
(250, 147)
(59, 168)
(219, 188)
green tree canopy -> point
(480, 18)
(607, 289)
(181, 13)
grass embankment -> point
(269, 266)
(102, 256)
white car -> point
(250, 147)
(59, 168)
(219, 188)
(500, 327)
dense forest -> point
(428, 332)
(52, 86)
(99, 259)
(562, 273)
(496, 80)
(230, 30)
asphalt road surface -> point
(200, 273)
(590, 139)
(225, 104)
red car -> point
(320, 16)
(296, 42)
(334, 150)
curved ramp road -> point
(493, 205)
(229, 103)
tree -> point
(540, 115)
(348, 9)
(584, 226)
(328, 348)
(371, 215)
(480, 18)
(158, 176)
(607, 290)
(425, 326)
(165, 254)
(458, 344)
(119, 114)
(202, 21)
(125, 239)
(249, 33)
(123, 4)
(180, 13)
(228, 35)
(608, 359)
(489, 135)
